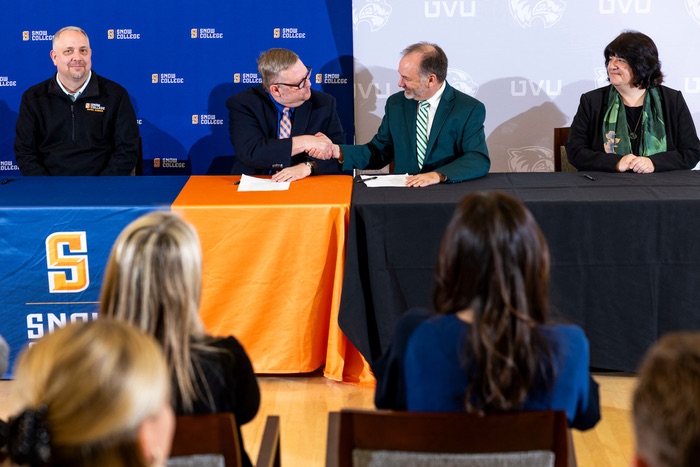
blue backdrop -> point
(55, 241)
(180, 61)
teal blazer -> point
(456, 147)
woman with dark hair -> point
(635, 124)
(489, 345)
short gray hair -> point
(69, 28)
(272, 62)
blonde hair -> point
(153, 280)
(666, 402)
(94, 384)
(272, 62)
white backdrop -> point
(528, 61)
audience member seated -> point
(666, 403)
(489, 345)
(153, 280)
(635, 124)
(92, 394)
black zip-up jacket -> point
(95, 135)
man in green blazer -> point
(455, 144)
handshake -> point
(319, 146)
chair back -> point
(211, 440)
(270, 454)
(138, 168)
(207, 439)
(561, 161)
(362, 437)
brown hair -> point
(433, 59)
(641, 55)
(666, 402)
(494, 261)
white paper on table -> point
(249, 183)
(374, 181)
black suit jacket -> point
(585, 151)
(253, 122)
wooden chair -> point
(561, 162)
(452, 438)
(138, 168)
(215, 436)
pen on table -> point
(365, 179)
(588, 177)
(7, 180)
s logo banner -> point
(67, 262)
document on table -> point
(373, 181)
(249, 183)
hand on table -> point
(637, 164)
(421, 180)
(290, 174)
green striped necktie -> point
(422, 132)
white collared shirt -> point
(77, 93)
(434, 102)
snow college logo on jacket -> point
(94, 107)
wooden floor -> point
(303, 403)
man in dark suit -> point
(275, 125)
(451, 146)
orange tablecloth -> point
(273, 271)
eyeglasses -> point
(299, 85)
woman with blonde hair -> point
(153, 280)
(92, 394)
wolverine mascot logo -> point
(530, 159)
(374, 12)
(694, 9)
(525, 12)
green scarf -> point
(616, 138)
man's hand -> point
(318, 146)
(290, 174)
(430, 178)
(337, 153)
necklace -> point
(633, 133)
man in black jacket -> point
(76, 123)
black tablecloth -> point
(625, 260)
